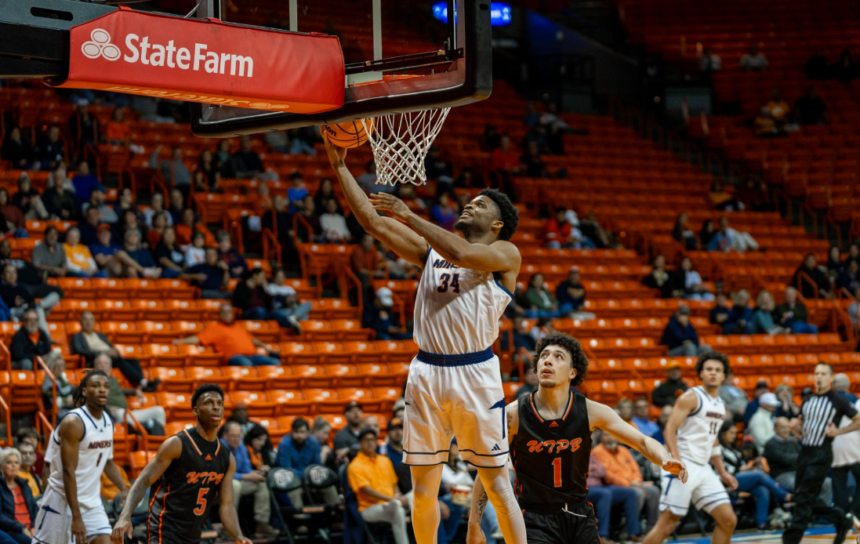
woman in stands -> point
(168, 255)
(682, 234)
(747, 470)
(692, 282)
(260, 449)
(326, 193)
(208, 175)
(13, 215)
(156, 231)
(28, 200)
(708, 231)
(661, 279)
(195, 253)
(17, 506)
(540, 302)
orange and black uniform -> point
(551, 460)
(183, 497)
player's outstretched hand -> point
(389, 203)
(676, 467)
(476, 536)
(335, 153)
(122, 528)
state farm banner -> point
(206, 61)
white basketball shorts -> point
(455, 396)
(53, 523)
(704, 488)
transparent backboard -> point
(400, 56)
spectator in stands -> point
(853, 253)
(692, 281)
(367, 179)
(233, 341)
(60, 204)
(572, 292)
(222, 158)
(812, 279)
(28, 435)
(642, 417)
(709, 61)
(849, 278)
(372, 478)
(530, 381)
(110, 257)
(321, 431)
(533, 163)
(754, 60)
(83, 126)
(792, 314)
(19, 299)
(787, 407)
(212, 276)
(156, 206)
(740, 316)
(153, 419)
(773, 118)
(125, 202)
(12, 214)
(85, 183)
(29, 342)
(834, 265)
(505, 160)
(308, 214)
(90, 343)
(142, 264)
(50, 150)
(763, 322)
(749, 474)
(667, 392)
(706, 234)
(817, 67)
(540, 302)
(186, 227)
(298, 450)
(522, 335)
(739, 241)
(154, 233)
(394, 441)
(325, 194)
(365, 261)
(174, 171)
(32, 278)
(753, 195)
(381, 317)
(624, 408)
(248, 481)
(562, 231)
(735, 398)
(240, 416)
(661, 279)
(277, 141)
(602, 498)
(89, 227)
(297, 192)
(444, 211)
(208, 175)
(680, 336)
(842, 386)
(285, 300)
(17, 506)
(810, 109)
(543, 327)
(97, 201)
(333, 224)
(300, 143)
(177, 206)
(252, 297)
(168, 254)
(781, 452)
(117, 130)
(260, 448)
(682, 234)
(760, 427)
(65, 391)
(235, 261)
(79, 260)
(246, 162)
(347, 437)
(623, 471)
(438, 169)
(16, 150)
(28, 200)
(195, 253)
(761, 387)
(28, 459)
(845, 68)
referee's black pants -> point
(812, 467)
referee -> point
(818, 415)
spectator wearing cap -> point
(761, 387)
(394, 441)
(383, 319)
(374, 482)
(572, 292)
(667, 392)
(760, 427)
(680, 336)
(348, 436)
(298, 450)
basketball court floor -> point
(814, 535)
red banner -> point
(207, 61)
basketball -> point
(349, 134)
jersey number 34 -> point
(454, 280)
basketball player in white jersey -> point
(454, 387)
(692, 435)
(80, 449)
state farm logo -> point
(100, 46)
(141, 50)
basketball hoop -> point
(400, 142)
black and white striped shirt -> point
(818, 412)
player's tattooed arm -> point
(513, 416)
(475, 534)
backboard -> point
(398, 56)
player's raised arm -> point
(71, 433)
(226, 508)
(489, 255)
(604, 417)
(403, 240)
(170, 450)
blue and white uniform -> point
(53, 524)
(455, 386)
(696, 439)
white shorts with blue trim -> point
(455, 396)
(703, 488)
(53, 523)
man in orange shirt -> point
(374, 482)
(623, 471)
(232, 340)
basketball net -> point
(400, 142)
